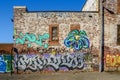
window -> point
(118, 35)
(74, 27)
(54, 34)
(118, 6)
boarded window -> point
(54, 34)
(118, 6)
(118, 35)
(74, 27)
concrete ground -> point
(63, 76)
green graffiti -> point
(46, 36)
(82, 33)
(29, 45)
(8, 59)
(31, 38)
(77, 39)
(46, 46)
(73, 33)
(9, 66)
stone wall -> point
(111, 22)
(38, 23)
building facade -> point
(91, 5)
(112, 35)
(63, 33)
(64, 41)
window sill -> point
(53, 43)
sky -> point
(6, 12)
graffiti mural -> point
(5, 63)
(31, 38)
(50, 62)
(77, 39)
(2, 64)
(112, 60)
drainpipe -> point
(102, 32)
(102, 38)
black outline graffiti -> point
(36, 63)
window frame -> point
(52, 42)
(74, 27)
(118, 6)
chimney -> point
(18, 11)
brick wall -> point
(6, 48)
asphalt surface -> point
(63, 76)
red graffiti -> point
(112, 60)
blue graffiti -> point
(5, 63)
(1, 57)
(77, 39)
(31, 38)
(2, 64)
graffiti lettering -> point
(53, 62)
(31, 38)
(5, 63)
(77, 39)
(112, 60)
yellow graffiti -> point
(112, 60)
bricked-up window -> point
(54, 34)
(118, 35)
(118, 6)
(74, 27)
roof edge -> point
(19, 7)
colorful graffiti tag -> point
(31, 38)
(51, 62)
(5, 63)
(112, 60)
(77, 39)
